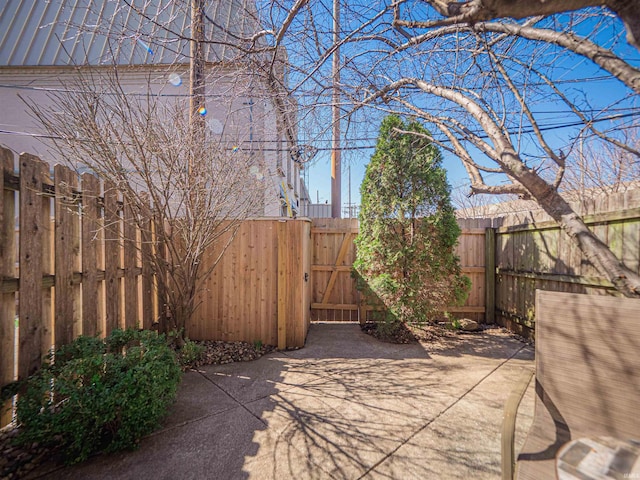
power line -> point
(632, 111)
(366, 147)
(212, 95)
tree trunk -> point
(597, 252)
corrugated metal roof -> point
(131, 32)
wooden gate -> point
(334, 296)
(333, 290)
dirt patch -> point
(435, 337)
(399, 333)
(403, 333)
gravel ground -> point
(17, 461)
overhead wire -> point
(367, 147)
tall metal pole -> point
(336, 167)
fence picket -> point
(67, 321)
(130, 263)
(111, 257)
(7, 270)
(33, 331)
(90, 242)
(146, 251)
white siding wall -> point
(229, 115)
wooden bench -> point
(587, 379)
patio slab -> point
(344, 407)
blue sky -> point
(595, 93)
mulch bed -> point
(404, 334)
(219, 353)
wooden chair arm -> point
(509, 424)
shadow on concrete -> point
(207, 434)
(335, 409)
(485, 344)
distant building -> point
(44, 44)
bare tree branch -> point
(476, 11)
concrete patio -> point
(344, 407)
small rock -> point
(468, 325)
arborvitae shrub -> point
(408, 231)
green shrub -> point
(406, 257)
(189, 353)
(99, 394)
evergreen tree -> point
(408, 231)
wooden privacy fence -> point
(334, 296)
(73, 266)
(533, 253)
(259, 291)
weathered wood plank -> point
(34, 338)
(334, 230)
(146, 252)
(589, 219)
(67, 322)
(466, 309)
(332, 268)
(90, 238)
(161, 253)
(595, 282)
(490, 275)
(130, 246)
(111, 258)
(7, 269)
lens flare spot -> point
(145, 46)
(175, 79)
(202, 111)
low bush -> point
(99, 394)
(189, 354)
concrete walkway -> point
(344, 407)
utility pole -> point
(196, 74)
(336, 163)
(197, 108)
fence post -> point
(490, 275)
(282, 284)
